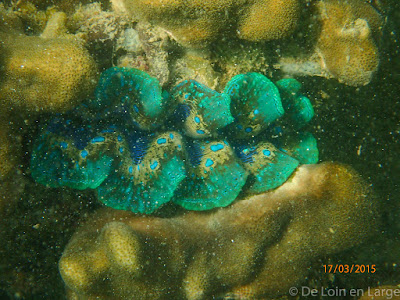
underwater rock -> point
(257, 247)
(91, 23)
(119, 143)
(146, 48)
(197, 23)
(347, 44)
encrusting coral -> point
(196, 23)
(257, 247)
(347, 45)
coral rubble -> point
(257, 247)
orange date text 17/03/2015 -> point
(353, 268)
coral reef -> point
(105, 143)
(267, 20)
(91, 23)
(257, 247)
(346, 48)
(42, 73)
(198, 68)
(196, 23)
(334, 39)
(341, 37)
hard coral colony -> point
(256, 248)
(194, 23)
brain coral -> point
(197, 22)
(256, 248)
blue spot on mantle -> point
(216, 147)
(154, 165)
(209, 162)
(161, 141)
(266, 152)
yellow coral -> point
(269, 20)
(346, 44)
(44, 74)
(346, 47)
(197, 22)
(257, 247)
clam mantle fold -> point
(140, 147)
